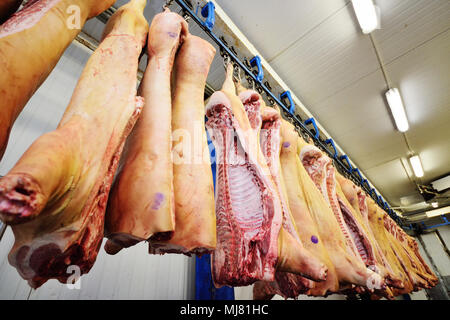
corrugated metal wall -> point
(132, 273)
(436, 249)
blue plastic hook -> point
(256, 61)
(359, 173)
(313, 122)
(331, 143)
(365, 182)
(208, 13)
(345, 157)
(287, 94)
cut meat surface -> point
(377, 226)
(27, 57)
(55, 196)
(411, 260)
(7, 8)
(141, 205)
(293, 256)
(288, 285)
(195, 218)
(321, 171)
(248, 211)
(349, 267)
(356, 197)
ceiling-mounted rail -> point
(207, 12)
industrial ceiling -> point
(319, 51)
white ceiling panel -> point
(273, 26)
(358, 118)
(392, 180)
(406, 24)
(331, 57)
(363, 100)
(422, 76)
(373, 145)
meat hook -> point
(166, 4)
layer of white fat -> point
(27, 17)
(246, 95)
(218, 98)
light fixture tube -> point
(416, 165)
(398, 110)
(367, 15)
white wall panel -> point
(131, 274)
(445, 234)
(12, 286)
(439, 256)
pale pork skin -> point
(411, 248)
(414, 247)
(288, 285)
(377, 226)
(401, 262)
(417, 279)
(349, 266)
(141, 204)
(195, 218)
(399, 249)
(55, 197)
(307, 228)
(413, 262)
(357, 199)
(31, 43)
(321, 171)
(248, 211)
(367, 245)
(7, 8)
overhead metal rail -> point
(342, 162)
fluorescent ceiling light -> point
(416, 165)
(434, 204)
(438, 212)
(441, 184)
(398, 110)
(366, 14)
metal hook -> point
(226, 61)
(166, 4)
(237, 73)
(186, 16)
